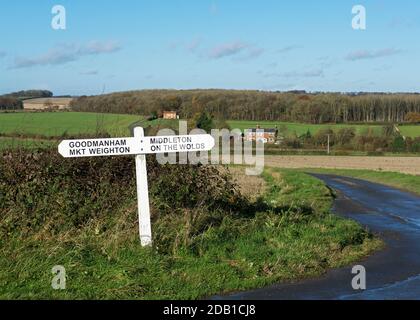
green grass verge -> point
(294, 237)
(399, 180)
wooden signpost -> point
(139, 145)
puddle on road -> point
(345, 182)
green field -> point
(7, 142)
(302, 128)
(410, 130)
(55, 124)
(58, 124)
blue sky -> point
(234, 44)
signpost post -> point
(139, 145)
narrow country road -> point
(393, 273)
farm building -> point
(170, 115)
(47, 103)
(264, 135)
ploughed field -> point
(408, 165)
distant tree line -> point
(13, 101)
(30, 94)
(10, 103)
(349, 140)
(296, 106)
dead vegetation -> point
(251, 187)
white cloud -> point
(67, 53)
(365, 54)
(254, 53)
(297, 74)
(193, 45)
(89, 73)
(98, 47)
(238, 49)
(289, 48)
(228, 49)
(313, 73)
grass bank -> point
(209, 239)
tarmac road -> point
(393, 273)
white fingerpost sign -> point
(139, 145)
(145, 227)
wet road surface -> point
(392, 273)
